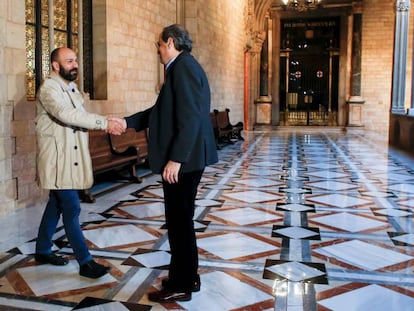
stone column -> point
(264, 102)
(81, 83)
(12, 102)
(400, 56)
(275, 15)
(254, 65)
(264, 65)
(51, 28)
(355, 101)
(410, 111)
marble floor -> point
(300, 219)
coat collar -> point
(177, 59)
(66, 87)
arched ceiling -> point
(262, 7)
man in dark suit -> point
(180, 145)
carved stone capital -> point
(256, 41)
(402, 6)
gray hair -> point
(180, 36)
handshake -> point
(116, 126)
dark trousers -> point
(179, 201)
(63, 203)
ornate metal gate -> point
(309, 72)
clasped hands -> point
(116, 126)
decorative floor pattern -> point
(287, 220)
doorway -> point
(309, 69)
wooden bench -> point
(116, 153)
(224, 129)
(221, 135)
(236, 128)
(215, 129)
(131, 138)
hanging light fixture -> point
(301, 5)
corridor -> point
(288, 220)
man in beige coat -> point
(63, 163)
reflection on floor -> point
(287, 220)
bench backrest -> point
(131, 138)
(222, 119)
(142, 143)
(99, 144)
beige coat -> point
(63, 159)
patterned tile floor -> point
(287, 220)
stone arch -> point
(257, 11)
(260, 13)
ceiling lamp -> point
(301, 5)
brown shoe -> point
(165, 296)
(51, 258)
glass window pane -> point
(30, 12)
(75, 24)
(45, 13)
(75, 46)
(60, 12)
(61, 38)
(37, 48)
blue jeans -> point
(65, 202)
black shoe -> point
(196, 286)
(165, 295)
(93, 270)
(51, 258)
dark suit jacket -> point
(179, 123)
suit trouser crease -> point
(179, 199)
(67, 204)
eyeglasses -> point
(160, 43)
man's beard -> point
(69, 75)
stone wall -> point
(220, 47)
(128, 73)
(133, 71)
(16, 142)
(377, 64)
